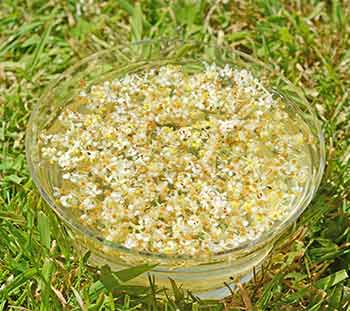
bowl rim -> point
(249, 245)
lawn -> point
(308, 41)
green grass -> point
(309, 41)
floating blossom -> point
(170, 162)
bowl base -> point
(210, 284)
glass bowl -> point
(203, 275)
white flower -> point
(130, 243)
(88, 204)
(66, 200)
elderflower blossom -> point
(173, 162)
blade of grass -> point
(40, 47)
(11, 216)
(13, 40)
(136, 23)
(79, 299)
(44, 229)
(332, 280)
(127, 6)
(131, 273)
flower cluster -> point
(174, 162)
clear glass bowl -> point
(202, 275)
